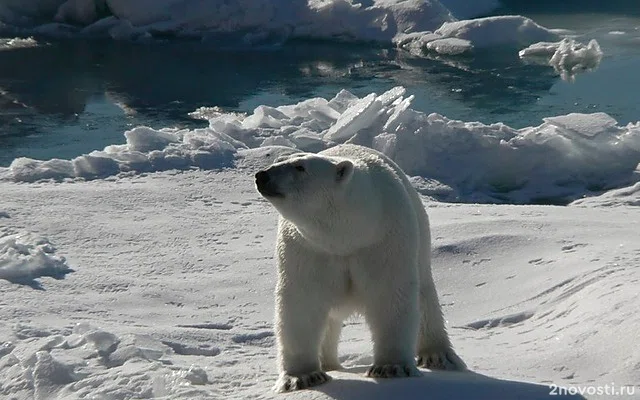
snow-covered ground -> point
(171, 294)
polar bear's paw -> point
(446, 360)
(392, 371)
(288, 383)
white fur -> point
(353, 237)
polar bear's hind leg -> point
(434, 347)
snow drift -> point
(562, 159)
(25, 257)
(627, 196)
(48, 363)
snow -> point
(458, 37)
(463, 9)
(249, 22)
(450, 46)
(146, 150)
(567, 56)
(17, 43)
(78, 11)
(411, 25)
(496, 31)
(20, 10)
(627, 196)
(25, 258)
(560, 160)
(172, 295)
(188, 17)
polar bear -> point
(353, 237)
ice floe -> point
(568, 57)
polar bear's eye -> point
(300, 168)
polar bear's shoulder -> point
(354, 152)
(370, 159)
(366, 158)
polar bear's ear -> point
(344, 170)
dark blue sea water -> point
(62, 99)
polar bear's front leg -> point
(300, 324)
(329, 352)
(394, 342)
(391, 310)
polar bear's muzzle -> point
(266, 186)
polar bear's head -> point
(302, 185)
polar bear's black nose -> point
(266, 186)
(262, 177)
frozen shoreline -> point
(562, 159)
